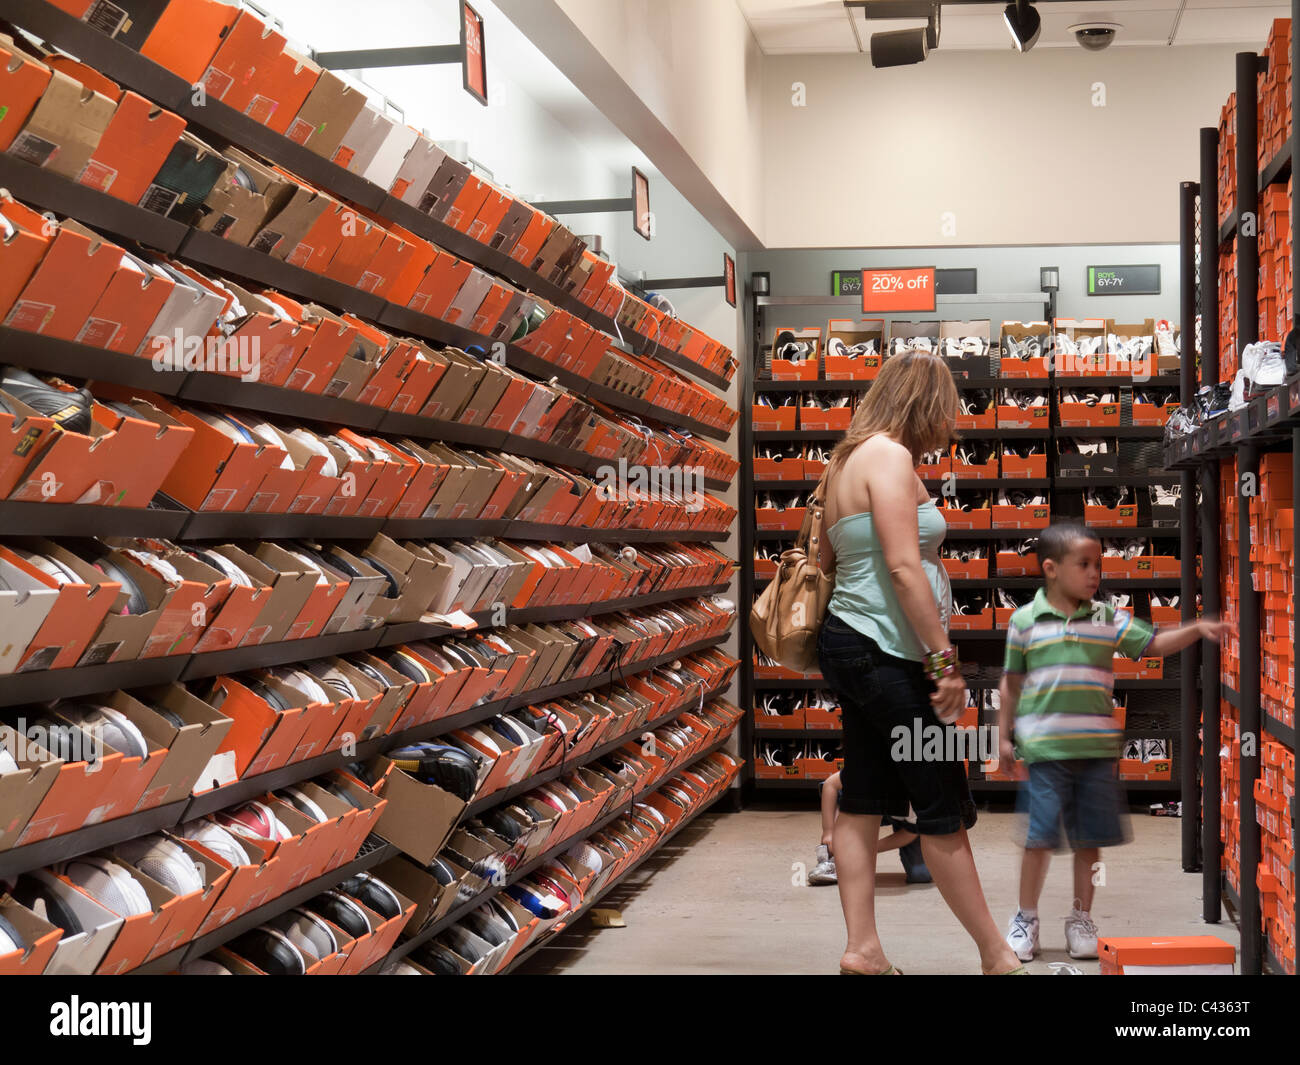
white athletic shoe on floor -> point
(1022, 936)
(824, 871)
(1080, 935)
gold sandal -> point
(891, 971)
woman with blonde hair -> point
(884, 649)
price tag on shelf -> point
(898, 290)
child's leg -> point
(1033, 874)
(830, 804)
(1084, 861)
(896, 840)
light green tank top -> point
(864, 596)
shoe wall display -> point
(1055, 423)
(311, 558)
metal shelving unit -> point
(983, 648)
(1269, 423)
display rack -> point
(1230, 450)
(170, 520)
(1151, 709)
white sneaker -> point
(1080, 935)
(824, 871)
(1022, 936)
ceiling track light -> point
(900, 48)
(1023, 23)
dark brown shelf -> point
(46, 684)
(63, 196)
(76, 519)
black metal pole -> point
(1189, 701)
(1248, 464)
(745, 556)
(1248, 701)
(1247, 200)
(1209, 261)
(1295, 553)
(1211, 725)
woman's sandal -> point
(891, 971)
(1019, 970)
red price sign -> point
(891, 291)
(473, 53)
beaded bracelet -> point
(939, 664)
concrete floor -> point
(720, 900)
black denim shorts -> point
(885, 705)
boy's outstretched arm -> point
(1170, 641)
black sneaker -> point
(914, 864)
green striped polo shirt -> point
(1065, 709)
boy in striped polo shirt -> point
(1056, 689)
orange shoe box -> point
(1103, 415)
(256, 75)
(1016, 466)
(67, 284)
(1123, 516)
(968, 622)
(1014, 564)
(23, 251)
(131, 302)
(23, 79)
(1009, 416)
(134, 147)
(216, 473)
(1007, 517)
(967, 519)
(1170, 955)
(357, 250)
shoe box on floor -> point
(1166, 956)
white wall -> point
(1010, 144)
(681, 78)
(526, 148)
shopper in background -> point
(1056, 691)
(903, 837)
(884, 649)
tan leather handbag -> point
(787, 617)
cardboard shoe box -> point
(64, 128)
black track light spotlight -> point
(900, 48)
(1023, 23)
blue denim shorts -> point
(880, 697)
(1085, 795)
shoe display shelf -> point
(165, 518)
(1238, 705)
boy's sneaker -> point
(1022, 936)
(1080, 935)
(824, 871)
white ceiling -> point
(800, 27)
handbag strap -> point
(812, 536)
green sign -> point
(846, 282)
(1141, 280)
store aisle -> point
(720, 900)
